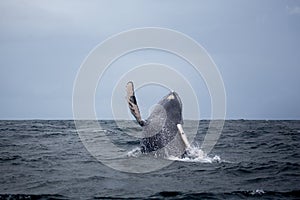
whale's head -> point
(173, 106)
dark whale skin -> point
(161, 126)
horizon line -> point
(110, 119)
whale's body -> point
(161, 134)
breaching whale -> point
(162, 130)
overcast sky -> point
(255, 45)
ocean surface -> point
(46, 159)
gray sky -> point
(255, 44)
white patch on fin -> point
(132, 103)
(183, 136)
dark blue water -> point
(47, 160)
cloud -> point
(294, 10)
(35, 18)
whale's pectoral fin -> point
(132, 103)
(183, 136)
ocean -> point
(46, 159)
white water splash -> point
(258, 191)
(195, 154)
(136, 152)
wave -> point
(32, 196)
(254, 194)
(258, 193)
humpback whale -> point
(163, 134)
